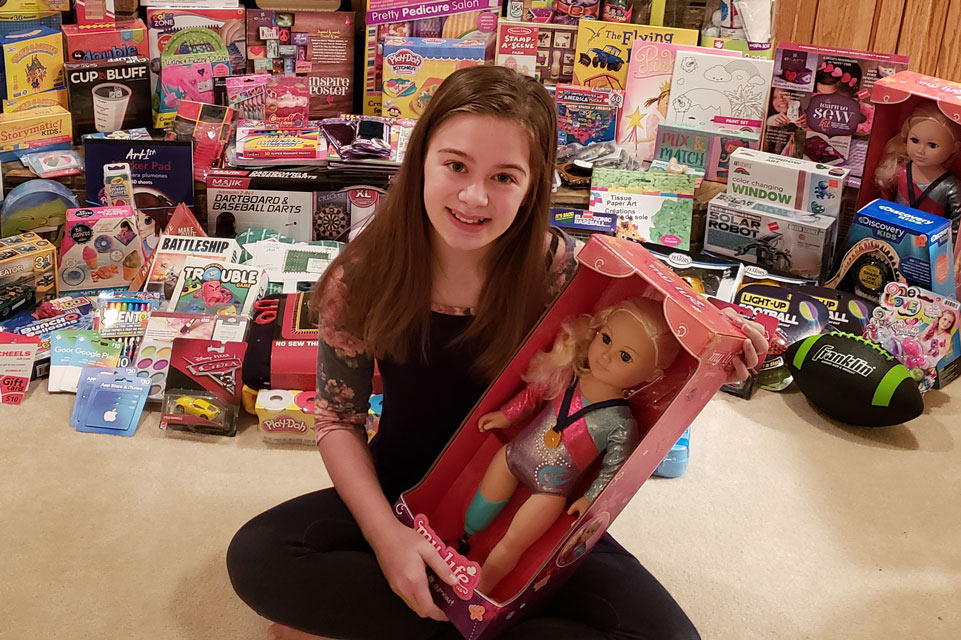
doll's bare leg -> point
(498, 482)
(531, 521)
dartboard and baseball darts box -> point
(692, 360)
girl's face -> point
(929, 144)
(662, 102)
(621, 354)
(780, 99)
(476, 176)
(946, 321)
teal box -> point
(922, 241)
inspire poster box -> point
(611, 270)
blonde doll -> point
(595, 364)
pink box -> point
(101, 249)
(127, 39)
(611, 270)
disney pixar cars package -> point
(203, 387)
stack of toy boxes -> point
(28, 272)
(779, 213)
(474, 20)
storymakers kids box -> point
(611, 270)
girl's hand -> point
(802, 121)
(493, 420)
(580, 506)
(754, 344)
(403, 556)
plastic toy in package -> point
(355, 138)
(50, 164)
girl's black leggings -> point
(306, 564)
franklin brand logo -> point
(843, 361)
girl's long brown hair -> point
(387, 268)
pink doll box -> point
(611, 270)
(101, 249)
(894, 98)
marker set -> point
(123, 317)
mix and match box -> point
(88, 43)
(586, 115)
(108, 95)
(414, 69)
(787, 182)
(101, 249)
(316, 44)
(785, 240)
(611, 270)
(914, 243)
(28, 273)
(706, 149)
(32, 61)
(819, 108)
(542, 51)
(470, 19)
(39, 129)
(286, 416)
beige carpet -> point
(785, 526)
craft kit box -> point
(316, 44)
(285, 416)
(86, 43)
(917, 243)
(108, 95)
(28, 273)
(40, 129)
(101, 249)
(786, 182)
(227, 23)
(707, 149)
(414, 68)
(542, 51)
(32, 61)
(604, 50)
(778, 238)
(611, 269)
(469, 20)
(819, 108)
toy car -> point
(13, 297)
(607, 58)
(197, 407)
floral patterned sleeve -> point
(562, 253)
(344, 369)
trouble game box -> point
(611, 269)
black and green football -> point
(854, 380)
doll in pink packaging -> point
(915, 168)
(578, 391)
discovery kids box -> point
(611, 269)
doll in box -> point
(578, 391)
(915, 167)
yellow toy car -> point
(197, 407)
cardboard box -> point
(415, 67)
(917, 243)
(586, 115)
(28, 273)
(52, 98)
(162, 23)
(542, 51)
(40, 129)
(778, 238)
(706, 149)
(786, 182)
(32, 61)
(101, 249)
(611, 270)
(581, 223)
(94, 12)
(87, 43)
(472, 19)
(109, 95)
(280, 200)
(316, 44)
(168, 259)
(286, 417)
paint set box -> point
(772, 237)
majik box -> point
(101, 249)
(611, 270)
(786, 182)
(109, 95)
(28, 272)
(272, 199)
(919, 241)
(414, 69)
(87, 43)
(778, 238)
(32, 61)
